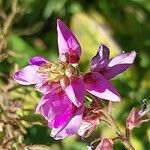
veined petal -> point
(38, 60)
(99, 86)
(28, 75)
(76, 91)
(70, 128)
(119, 64)
(56, 108)
(100, 58)
(67, 43)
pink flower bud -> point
(135, 118)
(105, 144)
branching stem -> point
(10, 19)
(125, 140)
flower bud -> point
(136, 118)
(105, 144)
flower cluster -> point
(64, 88)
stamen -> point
(56, 72)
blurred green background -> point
(123, 25)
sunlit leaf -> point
(91, 32)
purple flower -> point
(102, 69)
(63, 86)
(109, 68)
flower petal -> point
(119, 64)
(70, 128)
(88, 127)
(28, 75)
(67, 43)
(76, 91)
(38, 60)
(56, 108)
(46, 87)
(99, 86)
(105, 144)
(89, 122)
(101, 56)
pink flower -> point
(105, 144)
(64, 88)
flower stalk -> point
(125, 140)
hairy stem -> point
(125, 140)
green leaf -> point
(23, 51)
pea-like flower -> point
(103, 69)
(64, 87)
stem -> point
(10, 19)
(123, 137)
(7, 24)
(128, 145)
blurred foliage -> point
(121, 25)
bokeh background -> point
(123, 25)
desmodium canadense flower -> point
(102, 69)
(64, 88)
